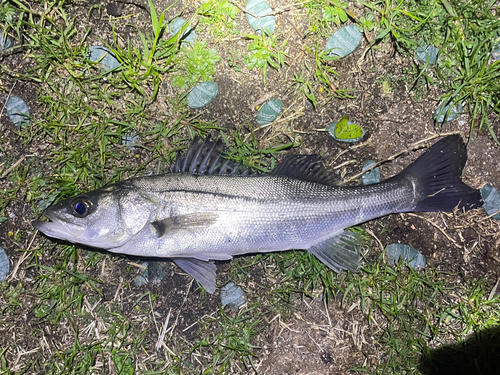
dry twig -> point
(413, 147)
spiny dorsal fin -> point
(205, 157)
(303, 167)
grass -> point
(466, 34)
(81, 304)
(227, 339)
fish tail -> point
(436, 175)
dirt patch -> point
(318, 340)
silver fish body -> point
(198, 215)
(216, 217)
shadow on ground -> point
(478, 355)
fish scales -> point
(261, 213)
(208, 210)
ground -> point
(311, 335)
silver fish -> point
(208, 209)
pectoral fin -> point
(201, 271)
(340, 252)
(170, 224)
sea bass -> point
(208, 209)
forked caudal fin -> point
(437, 175)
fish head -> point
(92, 219)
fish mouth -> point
(57, 228)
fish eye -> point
(81, 206)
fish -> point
(208, 208)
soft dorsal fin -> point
(206, 157)
(303, 167)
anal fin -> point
(203, 272)
(340, 252)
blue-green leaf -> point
(142, 278)
(346, 131)
(371, 177)
(496, 52)
(202, 95)
(491, 197)
(427, 54)
(444, 113)
(233, 296)
(130, 140)
(260, 8)
(188, 36)
(5, 42)
(344, 41)
(269, 112)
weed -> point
(235, 59)
(264, 50)
(468, 74)
(12, 297)
(335, 12)
(220, 16)
(194, 65)
(304, 87)
(322, 72)
(323, 15)
(251, 153)
(368, 22)
(7, 11)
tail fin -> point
(437, 173)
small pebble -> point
(18, 111)
(114, 9)
(232, 296)
(4, 265)
(373, 176)
(397, 251)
